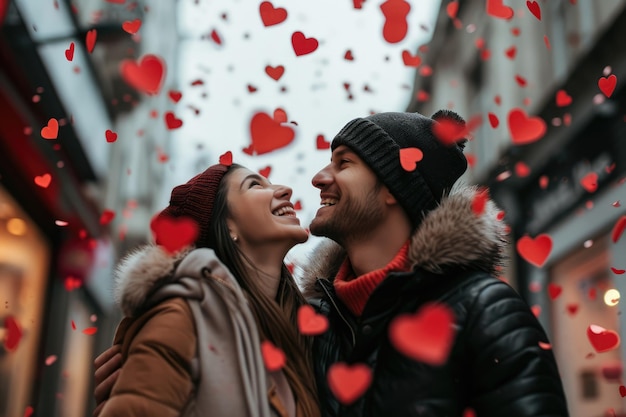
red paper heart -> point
(411, 60)
(265, 172)
(13, 333)
(409, 157)
(90, 331)
(536, 310)
(171, 121)
(273, 357)
(452, 9)
(618, 271)
(71, 283)
(520, 80)
(449, 131)
(496, 8)
(51, 130)
(622, 391)
(534, 8)
(226, 158)
(601, 339)
(90, 40)
(607, 84)
(618, 229)
(522, 170)
(396, 26)
(268, 134)
(175, 96)
(479, 202)
(554, 290)
(216, 37)
(251, 88)
(322, 143)
(69, 52)
(280, 115)
(572, 308)
(309, 322)
(131, 26)
(348, 382)
(28, 411)
(535, 251)
(297, 205)
(425, 336)
(271, 15)
(173, 233)
(563, 99)
(43, 180)
(275, 72)
(590, 182)
(110, 136)
(147, 76)
(511, 52)
(348, 56)
(493, 120)
(107, 216)
(303, 45)
(525, 129)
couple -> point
(205, 328)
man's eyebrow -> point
(341, 152)
(252, 177)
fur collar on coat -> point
(450, 236)
(140, 273)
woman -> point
(195, 319)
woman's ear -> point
(390, 200)
(232, 229)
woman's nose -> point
(283, 192)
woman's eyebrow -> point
(253, 176)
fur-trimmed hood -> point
(450, 236)
(140, 273)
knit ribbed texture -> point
(378, 139)
(354, 292)
(195, 199)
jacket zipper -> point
(340, 315)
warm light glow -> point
(611, 297)
(16, 226)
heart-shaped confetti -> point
(110, 136)
(396, 26)
(69, 52)
(617, 271)
(534, 8)
(411, 60)
(51, 130)
(251, 88)
(265, 172)
(521, 169)
(90, 331)
(563, 99)
(173, 234)
(275, 72)
(146, 76)
(131, 27)
(215, 37)
(273, 357)
(174, 95)
(171, 121)
(535, 251)
(622, 391)
(479, 202)
(271, 15)
(43, 180)
(311, 323)
(536, 310)
(449, 131)
(50, 360)
(511, 52)
(572, 308)
(226, 158)
(348, 56)
(425, 336)
(297, 205)
(28, 412)
(321, 142)
(607, 85)
(601, 339)
(590, 182)
(496, 8)
(268, 134)
(303, 45)
(520, 80)
(618, 229)
(72, 283)
(452, 9)
(525, 129)
(348, 382)
(554, 290)
(106, 217)
(493, 120)
(13, 333)
(90, 40)
(409, 157)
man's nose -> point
(322, 178)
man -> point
(407, 243)
(407, 247)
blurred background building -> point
(72, 205)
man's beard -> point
(355, 222)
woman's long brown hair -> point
(276, 319)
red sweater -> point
(355, 291)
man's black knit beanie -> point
(377, 139)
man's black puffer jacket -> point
(497, 366)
